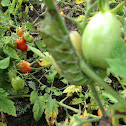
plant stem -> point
(85, 68)
(17, 96)
(100, 4)
(89, 120)
(68, 107)
(82, 25)
(117, 7)
(97, 98)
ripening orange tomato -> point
(99, 111)
(25, 67)
(20, 33)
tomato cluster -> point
(24, 37)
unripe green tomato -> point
(99, 38)
(77, 41)
(28, 37)
(17, 83)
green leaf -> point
(39, 44)
(39, 105)
(11, 52)
(3, 124)
(36, 51)
(118, 62)
(5, 3)
(6, 105)
(30, 26)
(43, 87)
(51, 110)
(4, 63)
(32, 85)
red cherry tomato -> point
(21, 44)
(24, 67)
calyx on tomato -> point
(21, 44)
(99, 38)
(24, 67)
(28, 37)
(76, 41)
(17, 83)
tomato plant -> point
(24, 67)
(17, 83)
(28, 37)
(21, 44)
(99, 37)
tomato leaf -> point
(4, 63)
(51, 111)
(39, 105)
(11, 52)
(60, 46)
(5, 3)
(6, 105)
(30, 26)
(118, 62)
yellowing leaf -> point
(31, 8)
(80, 18)
(43, 63)
(72, 89)
(79, 1)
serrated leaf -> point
(30, 26)
(11, 52)
(36, 51)
(39, 105)
(51, 111)
(60, 46)
(72, 89)
(6, 105)
(5, 3)
(32, 85)
(4, 63)
(118, 62)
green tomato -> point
(17, 83)
(28, 37)
(99, 38)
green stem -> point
(89, 120)
(63, 99)
(97, 98)
(68, 107)
(117, 7)
(100, 4)
(18, 96)
(82, 25)
(85, 68)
